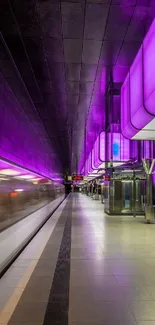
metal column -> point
(148, 165)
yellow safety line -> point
(11, 304)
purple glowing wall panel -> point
(90, 162)
(87, 167)
(125, 149)
(97, 160)
(19, 140)
(102, 146)
(9, 169)
(138, 90)
(149, 69)
(127, 129)
(93, 159)
(136, 93)
(133, 149)
(147, 149)
(118, 147)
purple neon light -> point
(136, 93)
(114, 140)
(102, 146)
(89, 165)
(9, 169)
(90, 162)
(86, 167)
(133, 149)
(149, 69)
(20, 139)
(93, 158)
(146, 149)
(127, 129)
(138, 90)
(115, 147)
(97, 160)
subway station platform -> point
(83, 268)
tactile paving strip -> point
(58, 303)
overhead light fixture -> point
(19, 190)
(26, 177)
(9, 172)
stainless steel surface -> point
(148, 165)
(149, 210)
(124, 196)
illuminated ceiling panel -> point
(138, 93)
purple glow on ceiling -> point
(119, 73)
(96, 116)
(103, 81)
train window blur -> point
(20, 196)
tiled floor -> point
(83, 268)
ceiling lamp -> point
(9, 172)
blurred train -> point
(23, 192)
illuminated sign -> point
(116, 149)
(77, 178)
(107, 178)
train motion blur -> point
(23, 192)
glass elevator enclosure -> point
(125, 194)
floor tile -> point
(114, 311)
(112, 279)
(146, 323)
(26, 323)
(12, 282)
(139, 293)
(104, 280)
(37, 294)
(151, 291)
(108, 293)
(106, 323)
(29, 312)
(128, 280)
(23, 263)
(143, 311)
(15, 272)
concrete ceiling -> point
(53, 55)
